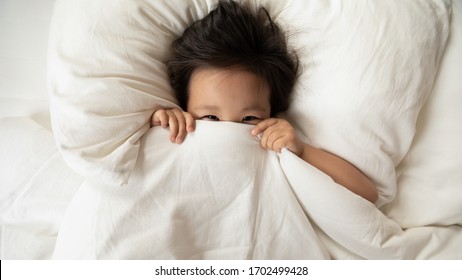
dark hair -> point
(232, 35)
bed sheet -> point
(36, 188)
(24, 112)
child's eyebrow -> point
(255, 108)
(206, 107)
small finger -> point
(159, 117)
(258, 137)
(265, 137)
(273, 140)
(190, 122)
(181, 121)
(279, 144)
(173, 124)
(262, 126)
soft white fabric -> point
(36, 188)
(430, 177)
(367, 69)
(106, 75)
(41, 185)
(24, 28)
(219, 195)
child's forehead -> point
(223, 73)
(237, 83)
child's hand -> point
(277, 134)
(180, 122)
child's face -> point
(231, 95)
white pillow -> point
(368, 67)
(430, 177)
(106, 78)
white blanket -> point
(220, 196)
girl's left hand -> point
(278, 134)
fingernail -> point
(258, 137)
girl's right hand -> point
(179, 122)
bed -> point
(83, 176)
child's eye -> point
(210, 118)
(251, 119)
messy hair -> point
(235, 36)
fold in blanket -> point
(219, 195)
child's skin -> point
(236, 95)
